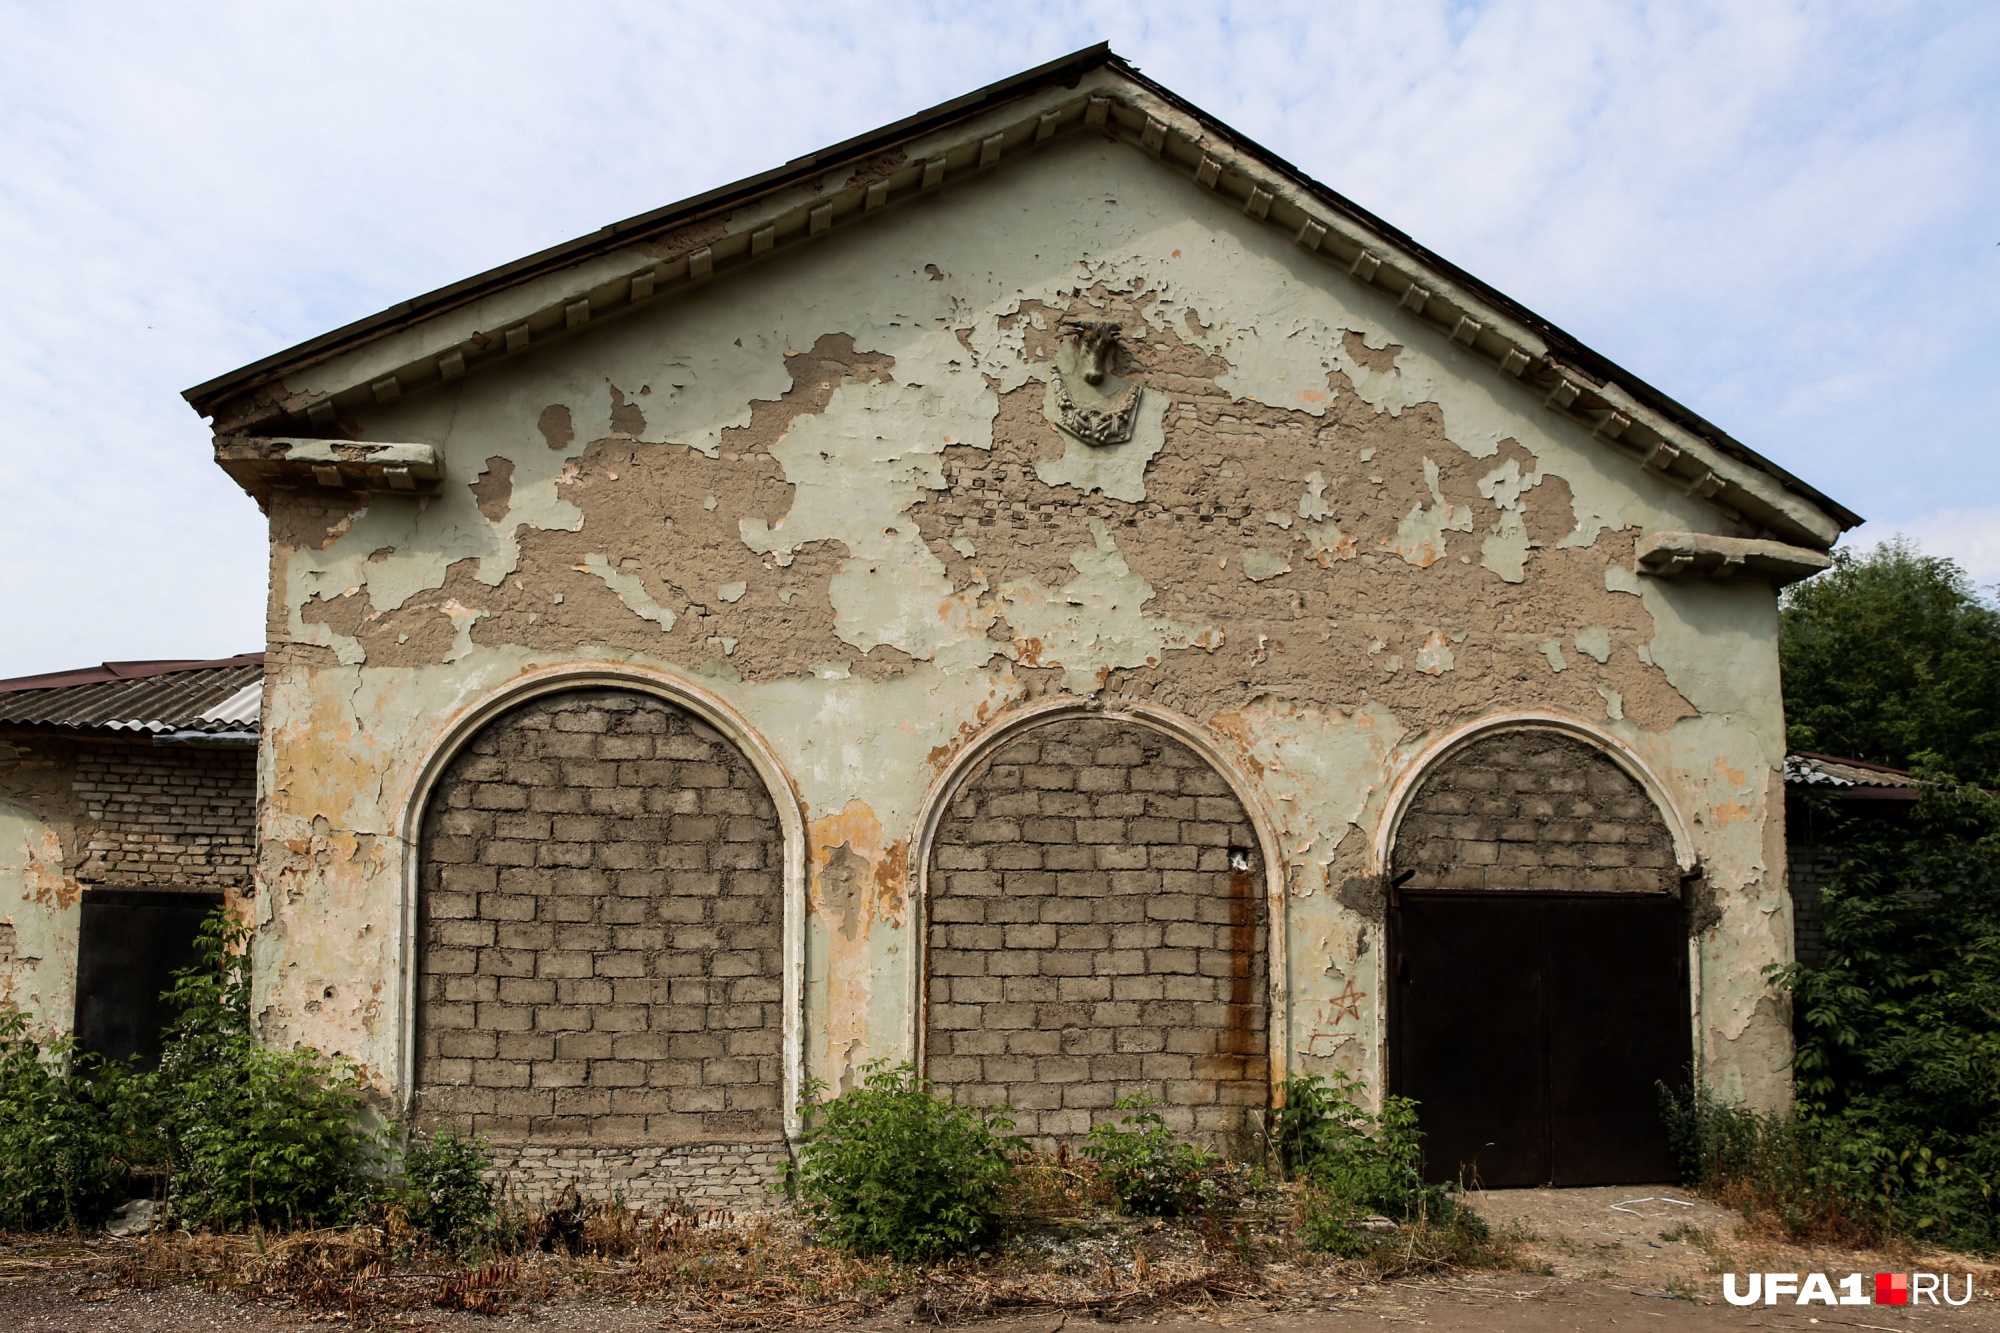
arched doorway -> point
(600, 924)
(1539, 962)
(1097, 928)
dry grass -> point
(710, 1270)
(1064, 1252)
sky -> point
(1784, 214)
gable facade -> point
(789, 673)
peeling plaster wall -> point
(824, 489)
(39, 892)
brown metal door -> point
(1534, 1031)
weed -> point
(1145, 1167)
(445, 1192)
(252, 1134)
(891, 1168)
(64, 1121)
(1356, 1164)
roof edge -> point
(1579, 382)
(202, 397)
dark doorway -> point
(1534, 1030)
(130, 943)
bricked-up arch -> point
(600, 924)
(1098, 927)
(1534, 808)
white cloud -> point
(1778, 212)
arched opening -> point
(600, 949)
(1539, 956)
(1097, 927)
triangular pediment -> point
(472, 327)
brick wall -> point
(1810, 867)
(1089, 936)
(167, 816)
(601, 914)
(1534, 810)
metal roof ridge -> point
(106, 673)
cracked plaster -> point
(826, 489)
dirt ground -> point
(1585, 1259)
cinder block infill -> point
(610, 973)
(1090, 939)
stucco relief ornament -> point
(1084, 400)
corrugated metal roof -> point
(1806, 769)
(223, 695)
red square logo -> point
(1892, 1288)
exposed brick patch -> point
(602, 932)
(1089, 937)
(1534, 810)
(167, 816)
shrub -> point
(253, 1135)
(446, 1193)
(1355, 1164)
(64, 1117)
(1149, 1170)
(1811, 1179)
(890, 1168)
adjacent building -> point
(128, 796)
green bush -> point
(446, 1193)
(64, 1132)
(1355, 1164)
(1813, 1179)
(252, 1135)
(890, 1168)
(1149, 1170)
(1317, 1121)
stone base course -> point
(740, 1176)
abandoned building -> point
(128, 798)
(1043, 590)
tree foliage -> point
(1895, 1130)
(1892, 657)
